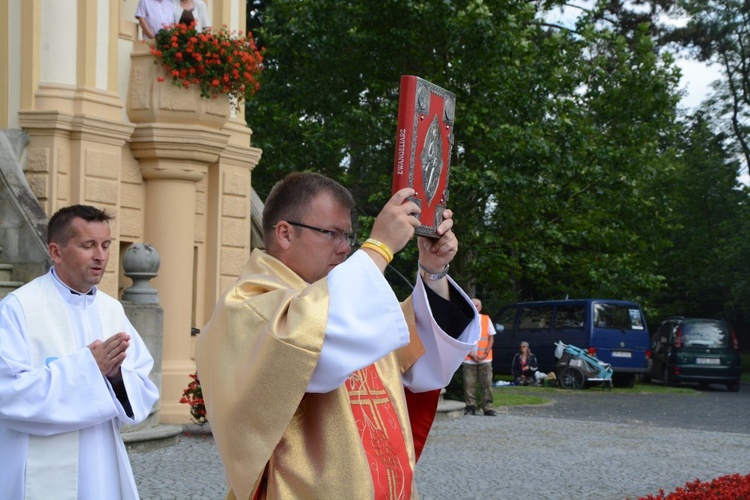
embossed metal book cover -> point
(424, 143)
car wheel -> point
(624, 381)
(734, 387)
(667, 378)
(572, 378)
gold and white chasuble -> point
(255, 360)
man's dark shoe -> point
(470, 409)
(490, 413)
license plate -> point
(622, 354)
(708, 361)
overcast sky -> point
(696, 76)
(696, 80)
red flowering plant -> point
(733, 486)
(193, 396)
(218, 61)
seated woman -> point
(524, 365)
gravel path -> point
(585, 445)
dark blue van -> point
(614, 331)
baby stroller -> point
(576, 368)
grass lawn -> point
(520, 395)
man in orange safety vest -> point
(477, 368)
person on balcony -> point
(188, 12)
(153, 15)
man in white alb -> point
(73, 370)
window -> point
(706, 334)
(569, 317)
(618, 316)
(507, 318)
(534, 318)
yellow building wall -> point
(70, 95)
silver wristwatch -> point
(434, 276)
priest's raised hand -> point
(393, 228)
(435, 256)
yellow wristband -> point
(383, 247)
(382, 252)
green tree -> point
(560, 133)
(708, 229)
(718, 32)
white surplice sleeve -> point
(142, 392)
(443, 354)
(365, 322)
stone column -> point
(177, 136)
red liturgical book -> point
(424, 143)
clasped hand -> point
(110, 354)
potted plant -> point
(193, 396)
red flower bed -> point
(732, 487)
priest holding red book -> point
(317, 381)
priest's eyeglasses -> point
(332, 234)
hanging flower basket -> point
(217, 62)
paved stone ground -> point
(580, 447)
(543, 458)
(713, 409)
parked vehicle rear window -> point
(705, 335)
(617, 316)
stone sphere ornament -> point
(141, 264)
